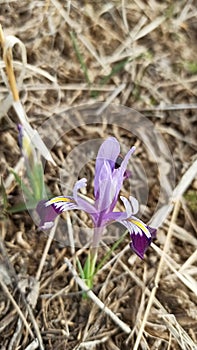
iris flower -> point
(110, 172)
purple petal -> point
(106, 188)
(153, 231)
(49, 210)
(141, 235)
(119, 175)
(131, 207)
(139, 244)
(118, 163)
(124, 164)
(142, 238)
(47, 215)
(108, 152)
(82, 203)
(127, 174)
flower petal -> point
(139, 244)
(141, 235)
(108, 152)
(131, 207)
(127, 206)
(106, 189)
(78, 185)
(124, 163)
(118, 175)
(82, 203)
(153, 231)
(49, 210)
(134, 204)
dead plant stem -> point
(10, 297)
(45, 252)
(96, 300)
(7, 57)
(158, 274)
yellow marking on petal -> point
(59, 200)
(142, 226)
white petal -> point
(134, 204)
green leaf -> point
(80, 57)
(115, 245)
(81, 272)
(191, 198)
(86, 268)
(191, 67)
(22, 185)
(115, 70)
(22, 207)
(37, 181)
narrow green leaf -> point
(80, 57)
(37, 181)
(115, 245)
(22, 185)
(81, 272)
(86, 268)
(115, 70)
(22, 207)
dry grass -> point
(140, 54)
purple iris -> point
(110, 172)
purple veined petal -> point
(141, 235)
(82, 203)
(49, 210)
(125, 161)
(120, 172)
(108, 152)
(47, 215)
(140, 244)
(112, 216)
(118, 175)
(141, 227)
(107, 190)
(131, 207)
(142, 239)
(127, 174)
(62, 203)
(118, 163)
(153, 231)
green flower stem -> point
(89, 270)
(91, 266)
(110, 251)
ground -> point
(115, 57)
